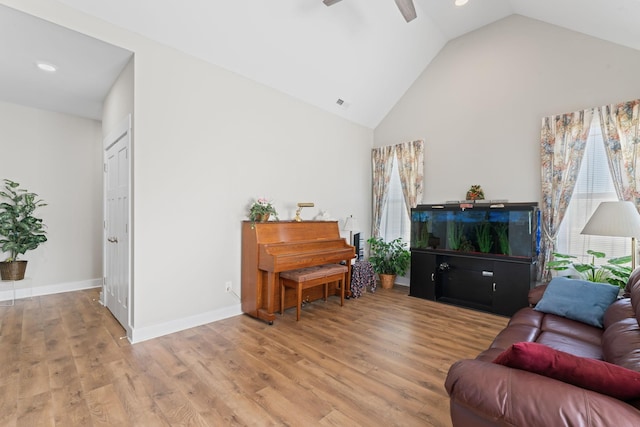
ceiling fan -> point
(406, 7)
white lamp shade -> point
(350, 224)
(619, 219)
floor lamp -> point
(618, 219)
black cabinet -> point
(493, 270)
(423, 272)
(493, 285)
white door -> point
(117, 283)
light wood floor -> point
(380, 360)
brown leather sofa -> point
(488, 394)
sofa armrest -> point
(497, 395)
(535, 294)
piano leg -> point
(272, 281)
(267, 317)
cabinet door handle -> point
(433, 277)
(494, 287)
(486, 273)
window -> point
(395, 220)
(594, 185)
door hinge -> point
(105, 167)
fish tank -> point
(495, 229)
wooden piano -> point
(271, 247)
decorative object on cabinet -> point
(20, 231)
(475, 193)
(323, 216)
(261, 210)
(298, 218)
(481, 256)
(388, 259)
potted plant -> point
(261, 210)
(20, 231)
(389, 259)
(615, 271)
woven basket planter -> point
(387, 280)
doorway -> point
(117, 216)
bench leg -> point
(342, 284)
(282, 289)
(299, 288)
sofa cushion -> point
(579, 300)
(595, 375)
(570, 345)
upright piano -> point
(271, 247)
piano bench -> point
(309, 277)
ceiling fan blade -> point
(330, 2)
(407, 9)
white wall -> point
(120, 100)
(206, 142)
(479, 104)
(57, 156)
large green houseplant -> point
(615, 271)
(388, 259)
(20, 230)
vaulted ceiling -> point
(360, 51)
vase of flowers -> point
(261, 210)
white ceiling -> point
(361, 51)
(87, 67)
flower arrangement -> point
(262, 209)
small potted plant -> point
(261, 210)
(475, 193)
(20, 231)
(389, 259)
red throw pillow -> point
(591, 374)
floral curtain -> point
(410, 157)
(621, 134)
(381, 161)
(562, 142)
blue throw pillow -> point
(579, 300)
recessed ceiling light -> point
(45, 66)
(460, 2)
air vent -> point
(340, 101)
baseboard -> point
(25, 289)
(155, 331)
